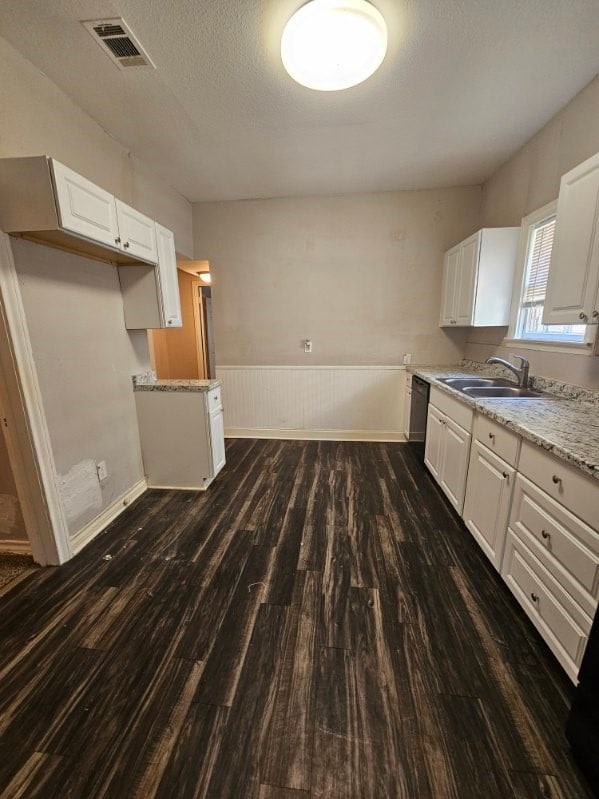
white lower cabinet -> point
(432, 446)
(533, 515)
(182, 437)
(455, 453)
(551, 560)
(217, 440)
(558, 618)
(487, 504)
(446, 453)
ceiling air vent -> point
(116, 38)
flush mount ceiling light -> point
(205, 277)
(334, 44)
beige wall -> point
(12, 526)
(84, 363)
(358, 274)
(527, 181)
(39, 119)
(175, 351)
(83, 354)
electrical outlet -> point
(407, 357)
(102, 471)
(307, 345)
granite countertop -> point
(147, 381)
(568, 428)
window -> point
(538, 231)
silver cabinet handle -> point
(492, 436)
(557, 480)
(582, 316)
(126, 245)
(534, 597)
(117, 240)
(545, 535)
(595, 314)
(505, 475)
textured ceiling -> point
(464, 84)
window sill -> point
(585, 348)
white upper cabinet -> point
(573, 287)
(167, 278)
(478, 276)
(84, 208)
(137, 233)
(451, 278)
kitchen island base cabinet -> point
(182, 437)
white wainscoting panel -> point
(344, 402)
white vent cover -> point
(116, 39)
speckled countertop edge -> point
(567, 428)
(147, 381)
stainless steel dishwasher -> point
(418, 413)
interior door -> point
(466, 288)
(84, 208)
(453, 469)
(451, 270)
(137, 233)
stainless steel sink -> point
(466, 382)
(506, 392)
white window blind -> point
(537, 272)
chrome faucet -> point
(521, 373)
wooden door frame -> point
(25, 427)
(199, 328)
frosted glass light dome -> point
(330, 45)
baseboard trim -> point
(315, 435)
(15, 547)
(181, 488)
(82, 537)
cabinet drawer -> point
(563, 625)
(497, 438)
(567, 547)
(564, 483)
(456, 410)
(214, 399)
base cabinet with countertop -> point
(489, 485)
(533, 514)
(181, 431)
(447, 445)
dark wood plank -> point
(319, 623)
(287, 753)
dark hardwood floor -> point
(318, 624)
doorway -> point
(204, 336)
(187, 352)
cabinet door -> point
(217, 440)
(455, 452)
(466, 286)
(84, 208)
(137, 233)
(451, 269)
(168, 282)
(488, 496)
(435, 424)
(574, 271)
